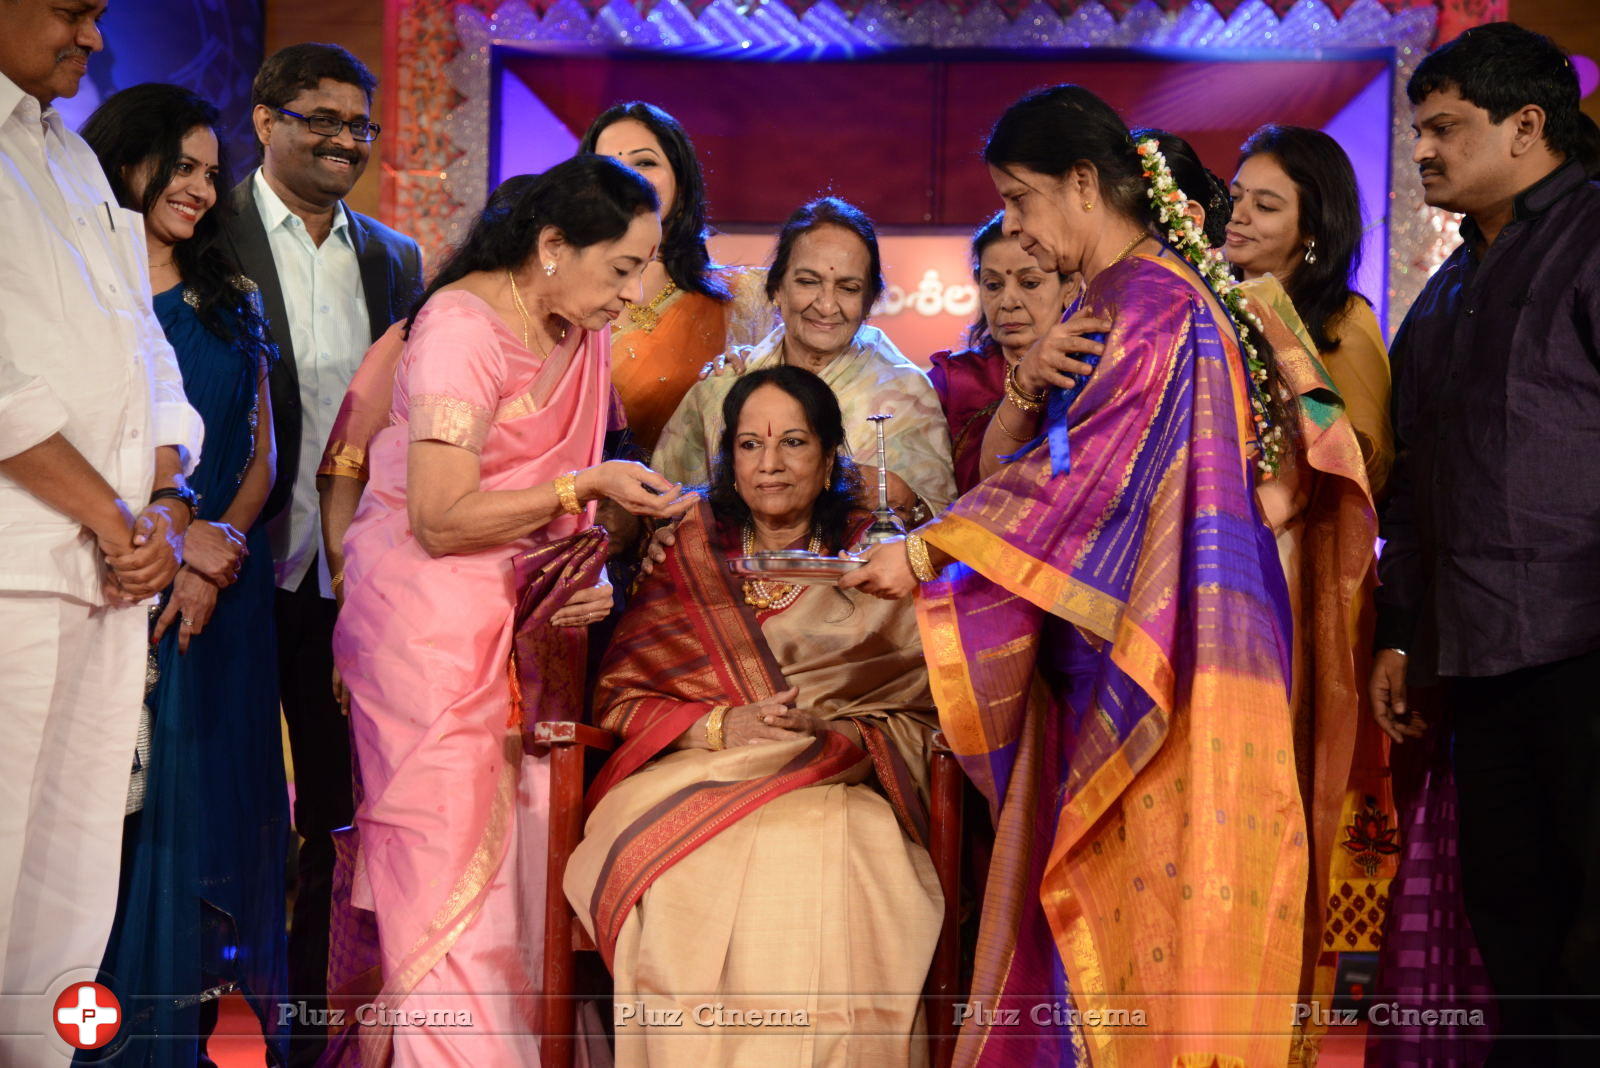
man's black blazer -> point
(391, 279)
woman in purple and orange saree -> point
(1109, 647)
(1019, 301)
(478, 485)
(753, 869)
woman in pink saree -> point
(481, 478)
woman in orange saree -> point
(1321, 512)
(692, 310)
(1297, 221)
(492, 403)
(1109, 645)
(753, 869)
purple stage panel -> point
(1214, 104)
(769, 135)
(900, 135)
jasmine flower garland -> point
(1183, 233)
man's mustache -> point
(334, 153)
(72, 53)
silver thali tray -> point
(795, 566)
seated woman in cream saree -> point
(753, 869)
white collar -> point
(275, 213)
(769, 350)
(14, 99)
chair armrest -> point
(566, 732)
(566, 743)
(945, 784)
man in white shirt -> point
(93, 425)
(331, 282)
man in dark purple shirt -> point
(1491, 567)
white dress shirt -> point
(330, 331)
(81, 350)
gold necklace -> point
(522, 310)
(759, 593)
(646, 316)
(1127, 249)
(516, 298)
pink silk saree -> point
(453, 822)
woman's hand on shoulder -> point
(1051, 359)
(655, 551)
(636, 488)
(731, 362)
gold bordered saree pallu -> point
(1110, 655)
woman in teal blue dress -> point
(201, 908)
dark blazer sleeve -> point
(391, 272)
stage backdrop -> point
(437, 171)
(212, 47)
(899, 136)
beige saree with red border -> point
(766, 904)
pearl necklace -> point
(759, 593)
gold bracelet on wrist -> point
(714, 737)
(1025, 401)
(336, 581)
(567, 493)
(1007, 431)
(917, 554)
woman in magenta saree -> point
(491, 450)
(1108, 645)
(1018, 301)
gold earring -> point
(1087, 206)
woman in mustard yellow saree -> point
(692, 310)
(753, 869)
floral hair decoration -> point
(1184, 234)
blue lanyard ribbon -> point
(1055, 417)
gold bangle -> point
(714, 737)
(336, 581)
(567, 493)
(1007, 431)
(917, 554)
(1027, 402)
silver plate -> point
(795, 566)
